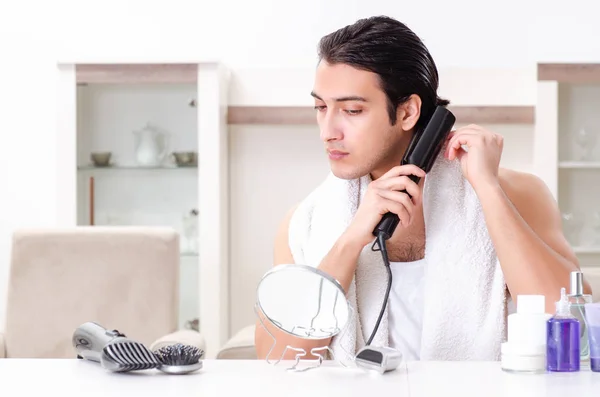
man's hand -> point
(481, 161)
(385, 195)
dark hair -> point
(387, 47)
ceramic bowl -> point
(186, 159)
(101, 159)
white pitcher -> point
(150, 146)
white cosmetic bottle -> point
(525, 347)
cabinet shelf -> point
(586, 250)
(134, 167)
(579, 164)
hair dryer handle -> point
(390, 221)
(90, 338)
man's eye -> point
(319, 108)
(353, 112)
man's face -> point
(354, 122)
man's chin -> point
(345, 173)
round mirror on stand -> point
(303, 302)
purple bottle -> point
(592, 319)
(563, 337)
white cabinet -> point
(146, 116)
(567, 151)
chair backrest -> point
(124, 278)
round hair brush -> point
(126, 356)
(179, 359)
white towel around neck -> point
(465, 294)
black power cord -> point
(380, 245)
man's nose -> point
(330, 130)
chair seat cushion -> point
(240, 346)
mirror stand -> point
(305, 303)
(319, 352)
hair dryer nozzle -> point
(126, 356)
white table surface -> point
(72, 377)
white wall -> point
(272, 32)
(258, 37)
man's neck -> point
(380, 171)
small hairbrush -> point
(179, 359)
(126, 356)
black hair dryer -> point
(422, 151)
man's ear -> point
(408, 112)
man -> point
(375, 85)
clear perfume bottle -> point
(577, 301)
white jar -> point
(525, 348)
(523, 358)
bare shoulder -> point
(523, 186)
(530, 196)
(282, 253)
(534, 201)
